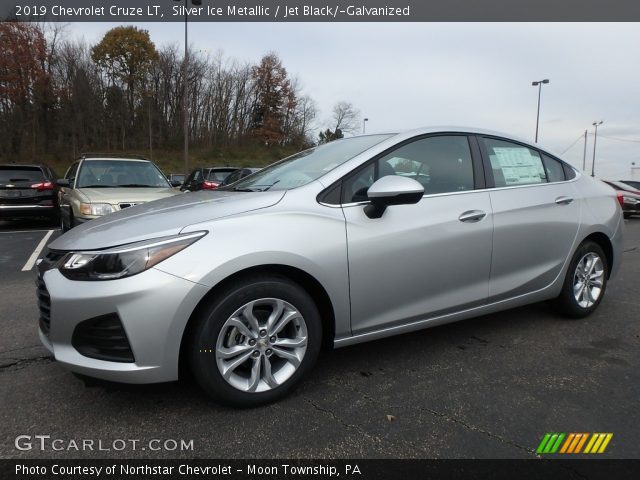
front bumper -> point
(153, 307)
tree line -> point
(62, 97)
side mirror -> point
(63, 182)
(392, 190)
(176, 183)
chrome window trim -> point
(446, 194)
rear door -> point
(422, 260)
(536, 217)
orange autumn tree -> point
(275, 98)
(24, 80)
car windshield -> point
(120, 173)
(307, 166)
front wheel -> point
(255, 341)
(586, 281)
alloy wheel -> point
(588, 280)
(261, 345)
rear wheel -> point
(586, 281)
(255, 341)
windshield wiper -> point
(266, 187)
(140, 185)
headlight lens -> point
(95, 208)
(630, 200)
(124, 261)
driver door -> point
(422, 260)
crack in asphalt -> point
(19, 364)
(340, 420)
(20, 348)
(357, 427)
(449, 418)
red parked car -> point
(206, 178)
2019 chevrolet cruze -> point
(347, 242)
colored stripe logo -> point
(574, 443)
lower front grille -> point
(103, 338)
(44, 305)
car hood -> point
(167, 216)
(128, 195)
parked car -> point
(176, 179)
(206, 178)
(628, 197)
(28, 191)
(238, 174)
(97, 186)
(632, 183)
(329, 246)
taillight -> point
(42, 186)
(207, 185)
(620, 197)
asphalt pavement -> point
(488, 387)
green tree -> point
(125, 55)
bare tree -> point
(345, 117)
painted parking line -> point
(11, 232)
(34, 256)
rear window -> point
(9, 174)
(219, 175)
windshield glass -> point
(307, 166)
(120, 173)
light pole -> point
(539, 85)
(595, 137)
(364, 125)
(185, 89)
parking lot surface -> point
(488, 387)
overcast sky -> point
(406, 75)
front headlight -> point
(630, 200)
(124, 261)
(95, 208)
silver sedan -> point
(347, 242)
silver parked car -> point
(347, 242)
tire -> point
(65, 227)
(588, 297)
(287, 349)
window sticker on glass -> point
(518, 165)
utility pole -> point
(595, 138)
(364, 125)
(584, 154)
(185, 88)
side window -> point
(355, 188)
(197, 175)
(514, 164)
(441, 164)
(71, 173)
(555, 172)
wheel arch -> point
(309, 283)
(605, 243)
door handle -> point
(564, 200)
(471, 216)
